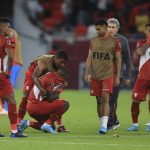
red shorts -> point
(28, 84)
(5, 86)
(97, 87)
(141, 89)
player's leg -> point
(58, 108)
(28, 84)
(113, 120)
(12, 115)
(139, 94)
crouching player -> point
(46, 109)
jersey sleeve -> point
(118, 46)
(90, 46)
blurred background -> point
(46, 25)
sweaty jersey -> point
(5, 43)
(144, 65)
(103, 54)
(47, 59)
(50, 81)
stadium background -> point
(68, 25)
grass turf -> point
(82, 122)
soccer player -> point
(6, 89)
(18, 62)
(142, 84)
(38, 67)
(113, 27)
(48, 108)
(104, 54)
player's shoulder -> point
(121, 37)
(94, 38)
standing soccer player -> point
(113, 27)
(104, 55)
(49, 108)
(38, 67)
(6, 89)
(142, 84)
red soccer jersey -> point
(50, 81)
(144, 66)
(5, 43)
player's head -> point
(147, 29)
(113, 26)
(101, 26)
(63, 72)
(59, 59)
(5, 26)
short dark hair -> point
(62, 54)
(101, 22)
(4, 20)
(147, 25)
(64, 72)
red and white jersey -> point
(144, 65)
(5, 43)
(50, 81)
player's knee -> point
(66, 104)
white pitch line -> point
(75, 143)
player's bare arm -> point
(118, 68)
(36, 74)
(87, 75)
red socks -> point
(12, 115)
(135, 110)
(22, 109)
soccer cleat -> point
(22, 126)
(133, 128)
(2, 135)
(113, 126)
(148, 128)
(102, 130)
(17, 135)
(61, 129)
(48, 128)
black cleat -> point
(113, 125)
(2, 135)
(17, 135)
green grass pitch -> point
(83, 124)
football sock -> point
(22, 109)
(12, 115)
(104, 121)
(59, 122)
(135, 110)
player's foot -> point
(61, 129)
(48, 128)
(148, 124)
(22, 126)
(113, 125)
(3, 112)
(2, 135)
(133, 128)
(102, 130)
(148, 128)
(17, 135)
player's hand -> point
(117, 81)
(88, 78)
(127, 82)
